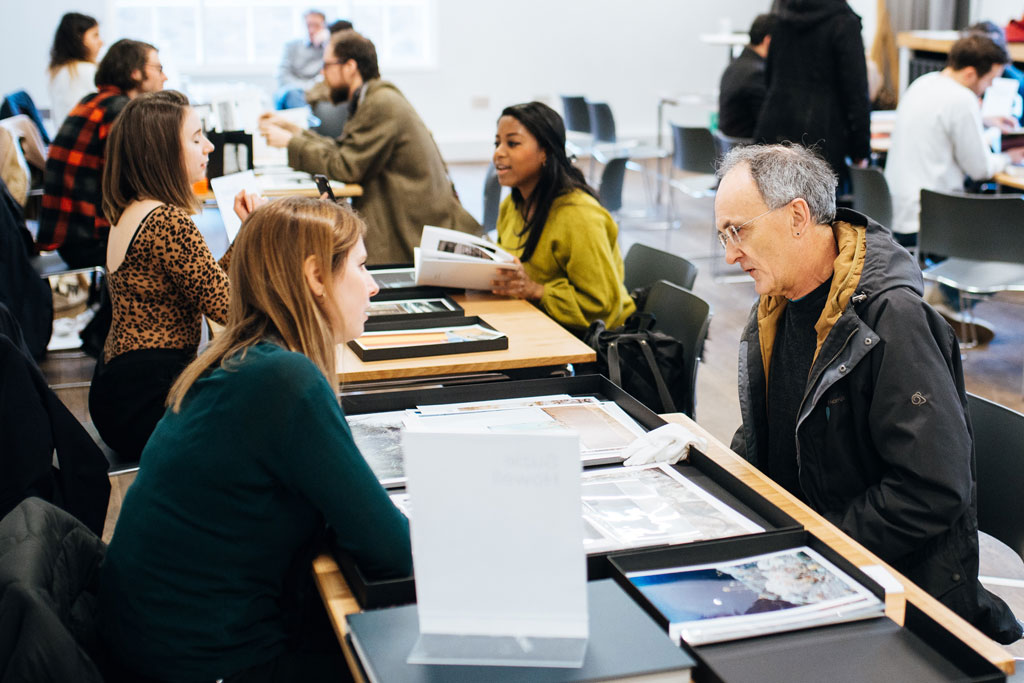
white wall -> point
(999, 11)
(493, 54)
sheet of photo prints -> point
(638, 507)
(604, 428)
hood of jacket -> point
(806, 13)
(869, 263)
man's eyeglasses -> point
(159, 67)
(731, 233)
(327, 64)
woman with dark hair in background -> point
(566, 242)
(73, 57)
(161, 275)
(207, 575)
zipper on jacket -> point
(807, 393)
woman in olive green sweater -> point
(205, 574)
(566, 242)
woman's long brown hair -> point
(270, 297)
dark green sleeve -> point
(323, 464)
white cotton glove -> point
(668, 444)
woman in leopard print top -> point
(162, 277)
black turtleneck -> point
(792, 355)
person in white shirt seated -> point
(939, 139)
(73, 57)
(301, 63)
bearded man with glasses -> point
(851, 387)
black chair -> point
(332, 117)
(999, 451)
(609, 190)
(492, 198)
(694, 149)
(981, 239)
(576, 112)
(602, 123)
(726, 143)
(685, 316)
(646, 265)
(871, 194)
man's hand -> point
(275, 135)
(272, 119)
(516, 283)
(1005, 124)
(1016, 154)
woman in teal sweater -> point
(566, 242)
(212, 549)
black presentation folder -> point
(421, 350)
(698, 468)
(876, 649)
(624, 644)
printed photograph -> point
(379, 438)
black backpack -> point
(648, 364)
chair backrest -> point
(492, 198)
(871, 194)
(609, 192)
(576, 112)
(602, 123)
(999, 451)
(332, 117)
(646, 265)
(693, 149)
(979, 227)
(725, 143)
(685, 316)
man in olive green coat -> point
(385, 147)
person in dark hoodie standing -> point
(818, 83)
(851, 387)
(385, 147)
(743, 87)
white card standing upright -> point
(497, 542)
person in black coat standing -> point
(743, 87)
(818, 84)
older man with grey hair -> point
(851, 388)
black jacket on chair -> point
(49, 577)
(34, 422)
(817, 82)
(21, 289)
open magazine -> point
(448, 258)
(751, 596)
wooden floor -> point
(995, 371)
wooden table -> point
(340, 602)
(534, 340)
(1009, 180)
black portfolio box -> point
(876, 649)
(698, 468)
(441, 348)
(418, 294)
